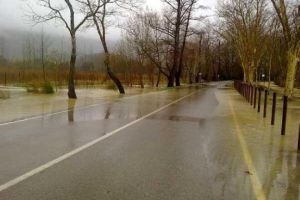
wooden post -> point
(299, 139)
(255, 97)
(259, 100)
(284, 114)
(265, 103)
(251, 95)
(247, 87)
(274, 108)
(248, 93)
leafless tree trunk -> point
(99, 20)
(55, 13)
(187, 20)
(292, 40)
(176, 47)
(198, 58)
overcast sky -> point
(12, 17)
(15, 28)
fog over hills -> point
(18, 33)
(14, 43)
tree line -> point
(265, 35)
(251, 40)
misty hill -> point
(18, 44)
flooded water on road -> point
(17, 104)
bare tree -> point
(198, 53)
(186, 20)
(57, 11)
(176, 22)
(145, 35)
(244, 22)
(102, 10)
(291, 32)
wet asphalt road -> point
(205, 146)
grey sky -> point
(12, 17)
(16, 29)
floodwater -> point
(17, 104)
(207, 143)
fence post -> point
(274, 108)
(255, 97)
(248, 93)
(299, 139)
(251, 94)
(247, 87)
(265, 103)
(284, 113)
(259, 100)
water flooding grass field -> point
(17, 104)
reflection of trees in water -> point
(71, 107)
(292, 162)
(276, 168)
(108, 112)
(292, 191)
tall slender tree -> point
(186, 19)
(66, 12)
(100, 19)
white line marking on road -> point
(65, 111)
(82, 148)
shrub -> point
(47, 88)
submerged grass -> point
(44, 88)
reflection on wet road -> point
(209, 145)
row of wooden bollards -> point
(253, 95)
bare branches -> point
(163, 38)
(55, 13)
(58, 12)
(245, 23)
